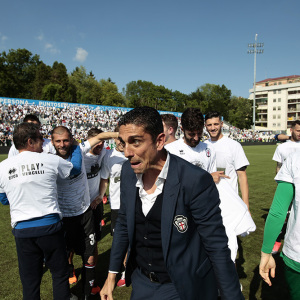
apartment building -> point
(277, 102)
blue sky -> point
(179, 44)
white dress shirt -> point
(148, 200)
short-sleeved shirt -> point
(230, 157)
(47, 148)
(290, 172)
(111, 168)
(29, 181)
(202, 155)
(284, 150)
(93, 165)
(73, 192)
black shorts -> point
(80, 233)
(113, 216)
(98, 216)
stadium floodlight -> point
(255, 51)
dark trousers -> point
(143, 288)
(31, 253)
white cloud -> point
(3, 37)
(81, 55)
(50, 48)
(40, 37)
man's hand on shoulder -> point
(109, 285)
(218, 175)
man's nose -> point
(128, 151)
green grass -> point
(261, 174)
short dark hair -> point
(144, 116)
(294, 123)
(192, 119)
(93, 132)
(170, 120)
(213, 114)
(32, 118)
(23, 132)
(61, 130)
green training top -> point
(283, 197)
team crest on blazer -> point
(181, 223)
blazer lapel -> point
(130, 204)
(171, 191)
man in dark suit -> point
(169, 221)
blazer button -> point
(145, 238)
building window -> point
(274, 108)
(278, 124)
(279, 108)
(279, 117)
(274, 100)
(267, 84)
(279, 99)
(279, 91)
(279, 82)
(274, 116)
(274, 124)
(275, 83)
(274, 92)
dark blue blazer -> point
(195, 251)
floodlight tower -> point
(259, 51)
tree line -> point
(25, 75)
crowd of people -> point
(80, 119)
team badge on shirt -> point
(181, 223)
(181, 152)
(208, 153)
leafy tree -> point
(110, 94)
(17, 73)
(42, 78)
(60, 76)
(214, 97)
(240, 112)
(52, 92)
(88, 89)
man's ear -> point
(30, 143)
(160, 141)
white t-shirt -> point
(284, 150)
(73, 192)
(29, 181)
(230, 157)
(236, 217)
(47, 148)
(202, 155)
(290, 172)
(93, 165)
(111, 168)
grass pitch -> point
(261, 173)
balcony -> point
(290, 101)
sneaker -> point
(102, 223)
(72, 276)
(122, 282)
(95, 290)
(104, 199)
(276, 247)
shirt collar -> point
(161, 177)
